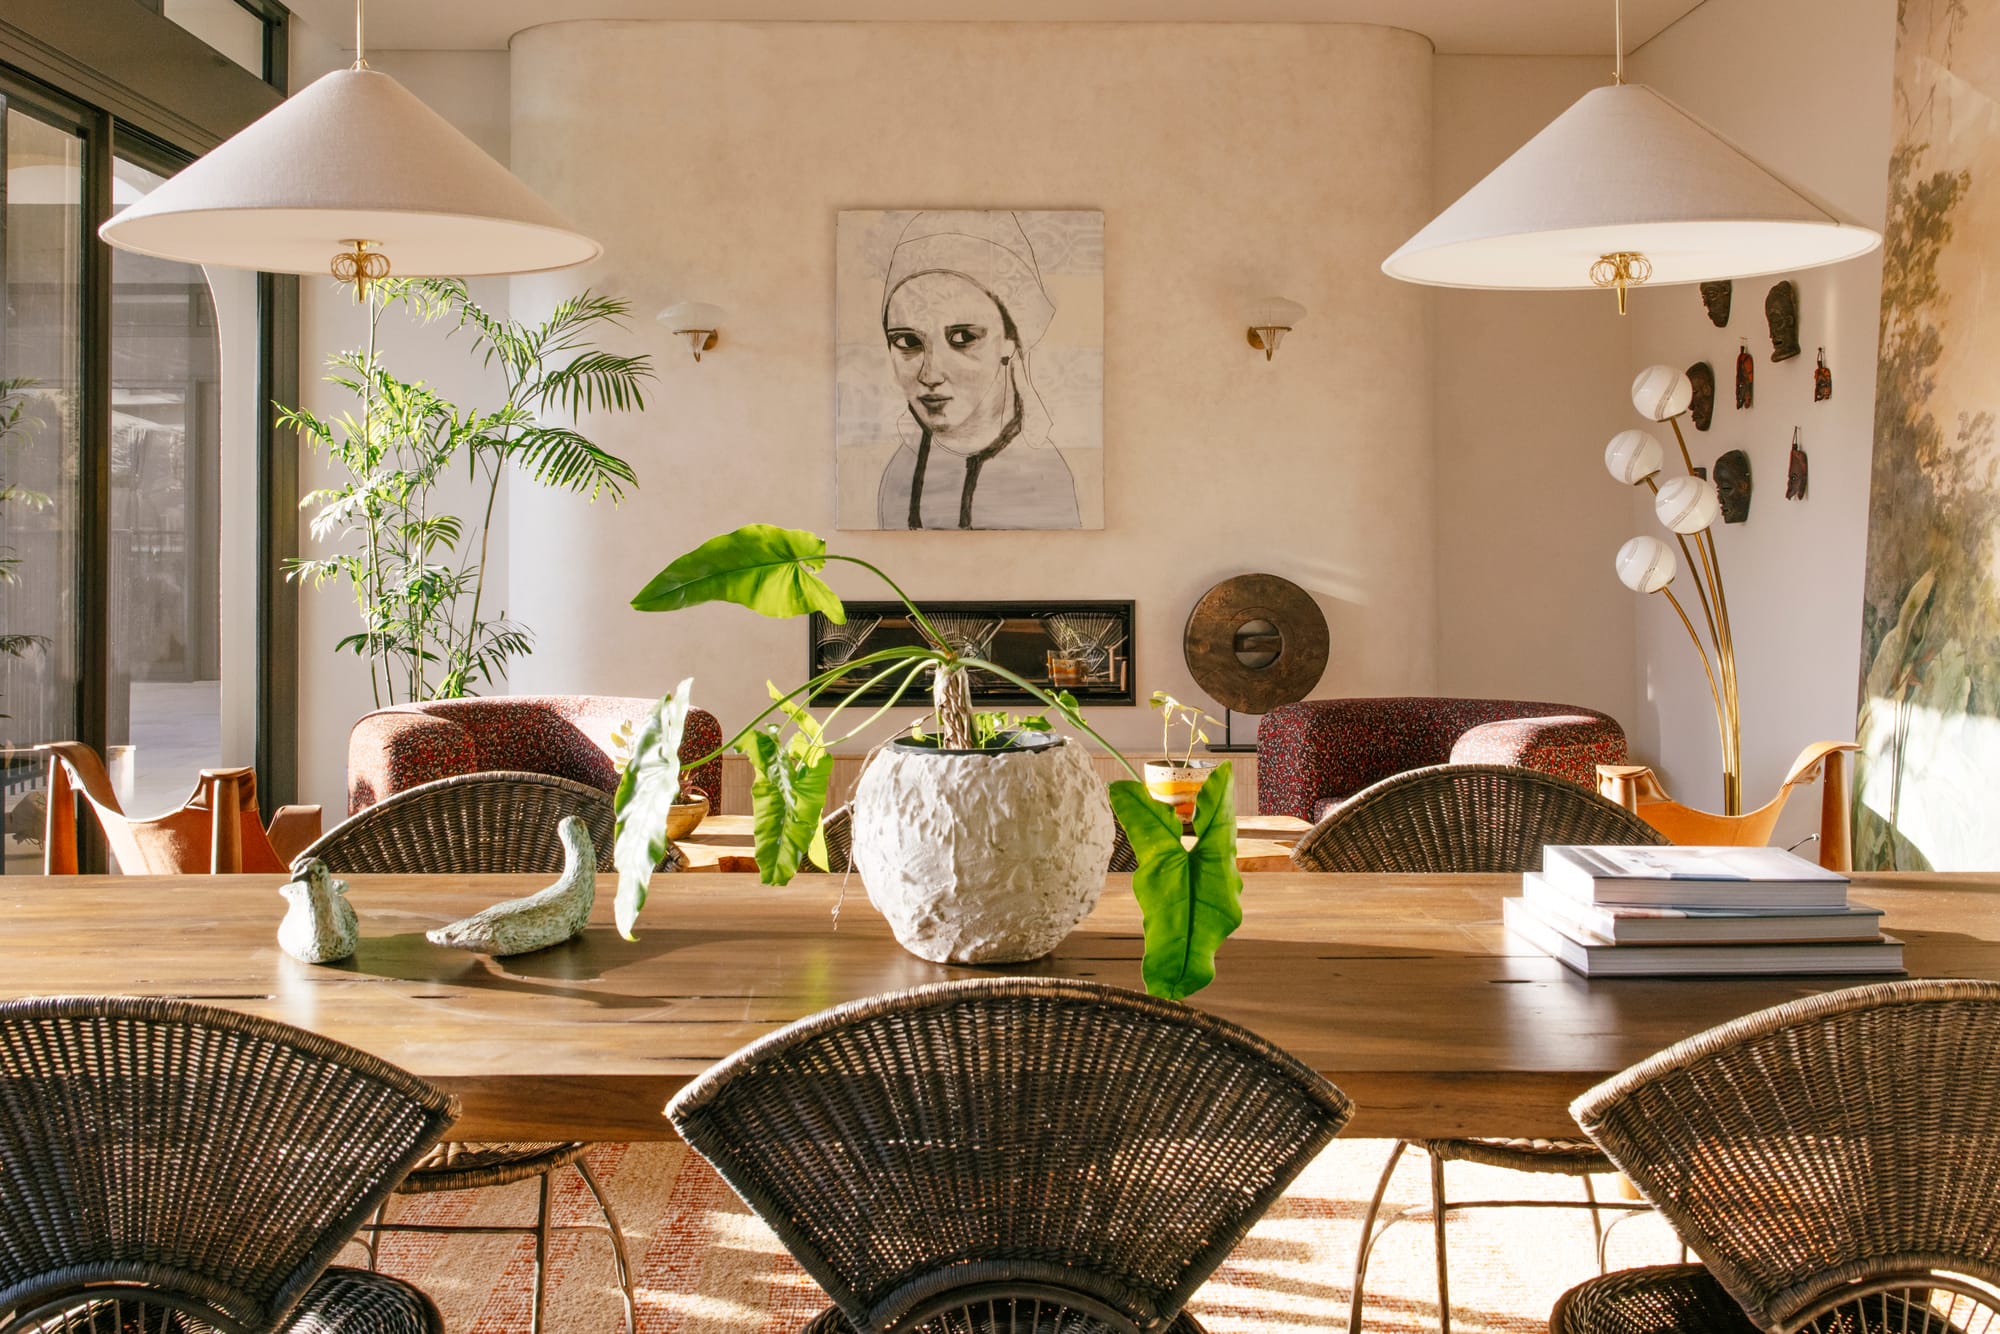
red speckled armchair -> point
(568, 736)
(1313, 755)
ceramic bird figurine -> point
(320, 925)
(520, 926)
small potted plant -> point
(1177, 781)
(690, 805)
(981, 837)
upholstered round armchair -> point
(567, 736)
(1313, 755)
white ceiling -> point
(1490, 27)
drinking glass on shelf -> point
(1065, 671)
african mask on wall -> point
(1781, 312)
(1716, 296)
(1795, 470)
(1702, 407)
(1746, 376)
(1732, 485)
(1822, 380)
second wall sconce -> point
(1270, 320)
(697, 321)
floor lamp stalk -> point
(1688, 507)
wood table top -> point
(1405, 991)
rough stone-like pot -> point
(982, 856)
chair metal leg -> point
(374, 1242)
(1437, 1231)
(1368, 1235)
(618, 1256)
(541, 1256)
(1596, 1223)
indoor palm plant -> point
(417, 571)
(1190, 896)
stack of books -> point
(1662, 912)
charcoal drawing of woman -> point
(963, 306)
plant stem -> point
(1075, 717)
(902, 652)
(373, 603)
(923, 624)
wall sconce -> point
(697, 321)
(1270, 320)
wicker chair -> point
(170, 1166)
(474, 824)
(1463, 818)
(481, 824)
(1835, 1161)
(1027, 1154)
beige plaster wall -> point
(1525, 386)
(1804, 86)
(1230, 162)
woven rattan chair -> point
(1834, 1161)
(484, 824)
(474, 824)
(1017, 1154)
(166, 1166)
(1456, 819)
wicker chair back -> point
(475, 824)
(1819, 1150)
(1045, 1135)
(1464, 818)
(174, 1156)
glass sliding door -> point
(166, 701)
(43, 235)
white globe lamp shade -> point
(1687, 504)
(1660, 392)
(1645, 565)
(1633, 456)
(1625, 171)
(355, 157)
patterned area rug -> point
(706, 1265)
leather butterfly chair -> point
(1026, 1154)
(216, 832)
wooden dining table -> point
(1403, 990)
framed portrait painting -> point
(969, 378)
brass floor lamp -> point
(1688, 507)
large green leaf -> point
(650, 784)
(1191, 899)
(786, 798)
(768, 569)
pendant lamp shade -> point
(1624, 173)
(354, 157)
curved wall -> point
(1231, 162)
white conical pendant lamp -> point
(1623, 188)
(357, 176)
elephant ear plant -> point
(1190, 897)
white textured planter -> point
(982, 856)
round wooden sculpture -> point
(1255, 642)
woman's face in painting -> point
(949, 348)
